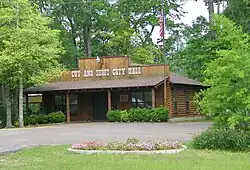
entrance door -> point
(100, 105)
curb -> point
(117, 152)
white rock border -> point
(117, 152)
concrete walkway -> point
(15, 139)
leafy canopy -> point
(29, 47)
(229, 75)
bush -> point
(222, 139)
(160, 114)
(31, 120)
(56, 117)
(42, 119)
(139, 115)
(125, 116)
(114, 115)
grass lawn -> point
(57, 158)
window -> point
(187, 101)
(142, 99)
(73, 101)
(123, 97)
(174, 100)
(60, 103)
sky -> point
(193, 10)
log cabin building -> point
(102, 84)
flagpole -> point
(164, 53)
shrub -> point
(125, 116)
(139, 115)
(114, 115)
(31, 120)
(56, 117)
(42, 119)
(160, 114)
(222, 139)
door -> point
(100, 105)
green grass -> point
(57, 158)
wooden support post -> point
(27, 104)
(153, 97)
(109, 100)
(67, 107)
(165, 93)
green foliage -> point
(125, 116)
(146, 55)
(42, 119)
(238, 121)
(238, 11)
(106, 28)
(29, 47)
(56, 117)
(140, 114)
(159, 114)
(30, 120)
(227, 101)
(114, 115)
(222, 139)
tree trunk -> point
(218, 7)
(8, 108)
(211, 10)
(15, 98)
(21, 124)
(87, 43)
(1, 93)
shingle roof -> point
(178, 79)
(117, 83)
(97, 84)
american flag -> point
(161, 22)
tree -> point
(146, 55)
(192, 58)
(114, 27)
(30, 49)
(239, 12)
(227, 100)
(80, 22)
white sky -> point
(193, 10)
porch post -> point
(153, 97)
(67, 107)
(109, 100)
(165, 93)
(27, 103)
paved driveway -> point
(15, 139)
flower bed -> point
(130, 146)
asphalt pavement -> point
(15, 139)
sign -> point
(107, 72)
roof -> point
(178, 79)
(97, 84)
(116, 83)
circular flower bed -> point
(130, 146)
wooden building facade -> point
(100, 85)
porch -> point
(91, 101)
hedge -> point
(55, 117)
(159, 114)
(222, 139)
